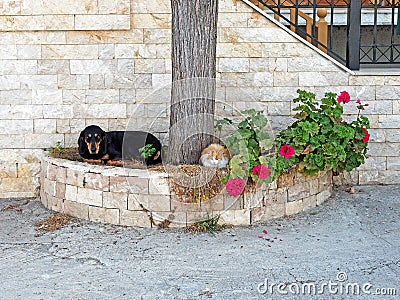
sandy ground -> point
(353, 240)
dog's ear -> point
(81, 144)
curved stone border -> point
(134, 197)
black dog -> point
(96, 144)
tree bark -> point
(194, 40)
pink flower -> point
(261, 171)
(366, 136)
(358, 101)
(235, 186)
(343, 97)
(286, 151)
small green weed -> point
(147, 151)
(209, 225)
(57, 149)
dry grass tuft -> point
(53, 222)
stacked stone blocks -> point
(137, 197)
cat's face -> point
(215, 156)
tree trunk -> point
(194, 39)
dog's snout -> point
(93, 147)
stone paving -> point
(353, 238)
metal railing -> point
(378, 50)
(358, 32)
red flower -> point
(261, 171)
(366, 136)
(235, 186)
(286, 151)
(343, 97)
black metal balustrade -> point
(359, 32)
(377, 50)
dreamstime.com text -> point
(340, 286)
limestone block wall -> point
(100, 70)
(53, 15)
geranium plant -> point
(252, 156)
(320, 139)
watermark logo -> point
(340, 286)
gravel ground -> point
(351, 239)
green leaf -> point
(324, 120)
(237, 172)
(329, 99)
(236, 160)
(224, 121)
(344, 131)
(251, 112)
(225, 178)
(245, 133)
(253, 144)
(147, 151)
(266, 160)
(266, 145)
(337, 112)
(260, 121)
(359, 133)
(243, 125)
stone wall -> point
(53, 15)
(56, 80)
(134, 197)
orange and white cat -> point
(215, 155)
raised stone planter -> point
(134, 197)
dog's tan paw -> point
(92, 161)
(115, 163)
